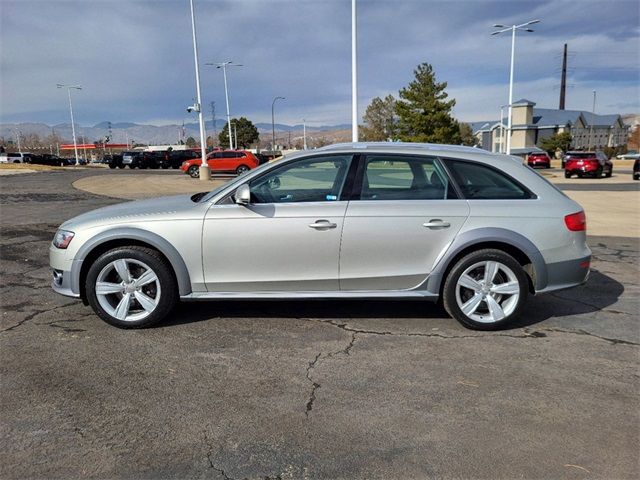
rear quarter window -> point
(481, 182)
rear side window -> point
(480, 182)
(391, 177)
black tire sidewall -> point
(168, 285)
(449, 290)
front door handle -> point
(322, 225)
(436, 223)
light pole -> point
(304, 134)
(513, 29)
(235, 134)
(73, 127)
(223, 66)
(205, 174)
(501, 149)
(273, 123)
(354, 75)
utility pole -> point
(563, 81)
(304, 134)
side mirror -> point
(243, 195)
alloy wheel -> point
(128, 289)
(487, 292)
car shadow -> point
(598, 293)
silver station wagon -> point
(478, 231)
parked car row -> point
(39, 159)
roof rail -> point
(394, 145)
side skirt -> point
(406, 294)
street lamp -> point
(205, 174)
(354, 75)
(304, 134)
(223, 66)
(273, 124)
(513, 29)
(73, 128)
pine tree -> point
(424, 114)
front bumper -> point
(61, 283)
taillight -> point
(576, 222)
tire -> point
(111, 166)
(120, 166)
(609, 173)
(132, 166)
(598, 173)
(488, 306)
(242, 169)
(567, 175)
(120, 301)
(194, 171)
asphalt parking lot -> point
(311, 389)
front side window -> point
(391, 177)
(318, 179)
(480, 182)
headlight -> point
(62, 238)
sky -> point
(134, 59)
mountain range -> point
(127, 132)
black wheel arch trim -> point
(481, 237)
(152, 239)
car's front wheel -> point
(485, 290)
(194, 171)
(131, 287)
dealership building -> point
(531, 125)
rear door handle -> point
(436, 223)
(322, 225)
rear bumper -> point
(567, 274)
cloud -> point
(135, 60)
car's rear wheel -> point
(194, 171)
(609, 173)
(120, 166)
(598, 173)
(242, 169)
(132, 166)
(567, 175)
(112, 166)
(486, 290)
(131, 287)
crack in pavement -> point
(315, 385)
(613, 341)
(355, 331)
(35, 314)
(222, 471)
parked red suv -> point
(587, 163)
(539, 159)
(227, 161)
